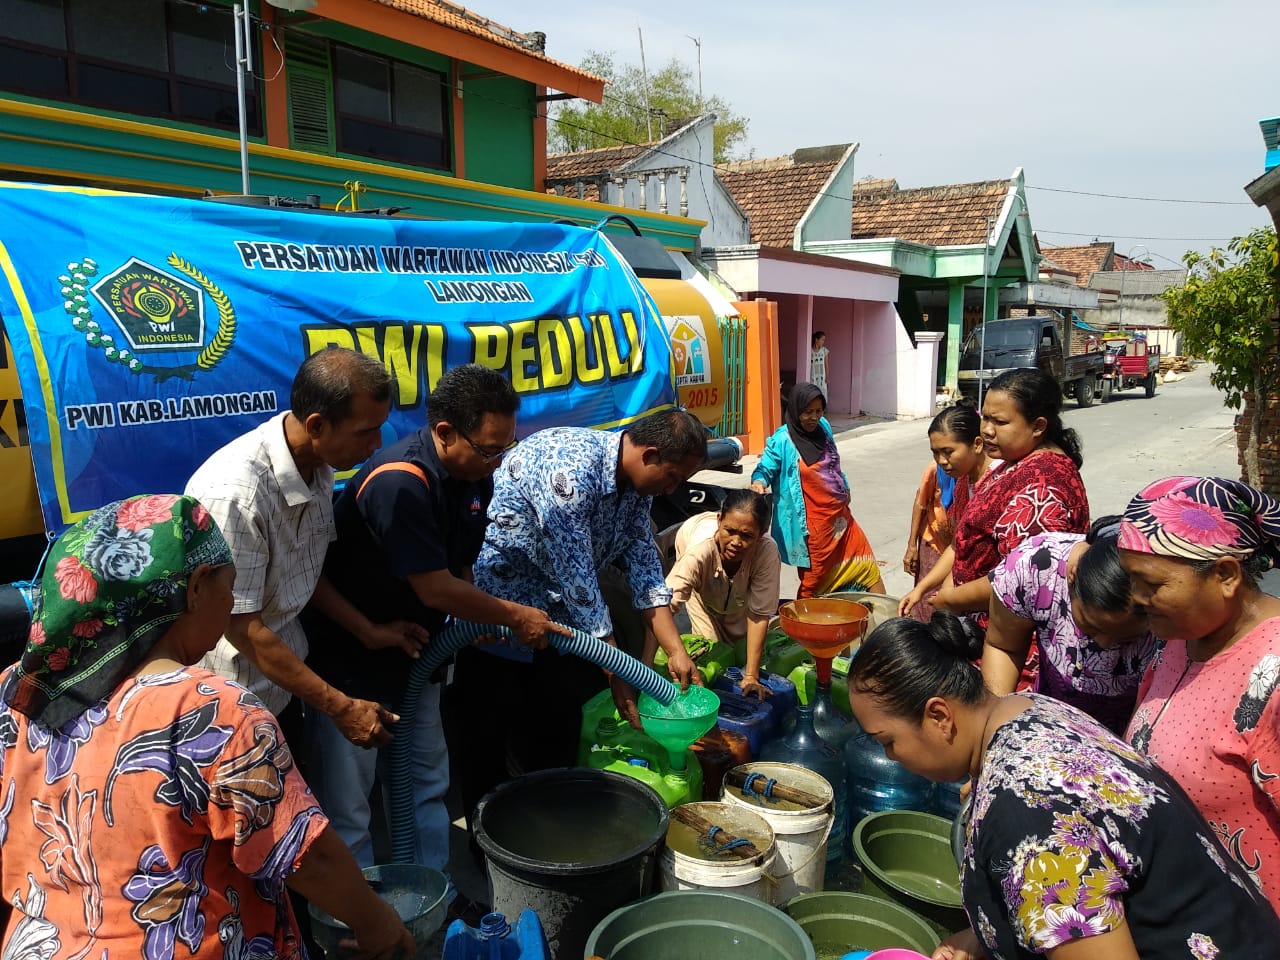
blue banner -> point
(148, 331)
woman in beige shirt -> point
(726, 576)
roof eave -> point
(467, 47)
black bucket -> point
(572, 845)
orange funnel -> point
(824, 626)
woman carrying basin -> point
(1077, 846)
(149, 808)
(1070, 594)
(1195, 548)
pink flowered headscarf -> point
(1202, 518)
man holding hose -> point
(410, 524)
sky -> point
(1139, 98)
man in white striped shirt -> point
(271, 493)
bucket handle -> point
(779, 877)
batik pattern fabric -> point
(1073, 832)
(161, 825)
(556, 518)
(1215, 726)
(1202, 518)
(112, 585)
(1041, 493)
(1031, 583)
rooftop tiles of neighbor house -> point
(941, 216)
(775, 193)
(1084, 260)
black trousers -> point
(528, 712)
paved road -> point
(1128, 442)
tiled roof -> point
(587, 164)
(950, 215)
(775, 193)
(459, 18)
(1084, 261)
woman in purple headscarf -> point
(1194, 548)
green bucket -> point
(699, 923)
(906, 857)
(838, 923)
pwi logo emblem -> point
(155, 311)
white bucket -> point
(801, 833)
(690, 860)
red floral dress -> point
(1041, 493)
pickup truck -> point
(1131, 362)
(1035, 341)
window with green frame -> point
(157, 58)
(346, 100)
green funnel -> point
(677, 725)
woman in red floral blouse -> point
(1037, 489)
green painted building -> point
(367, 103)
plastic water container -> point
(877, 783)
(783, 656)
(496, 939)
(946, 799)
(674, 786)
(711, 657)
(695, 859)
(801, 831)
(746, 715)
(782, 693)
(719, 751)
(602, 729)
(803, 747)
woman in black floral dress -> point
(1076, 846)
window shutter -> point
(310, 93)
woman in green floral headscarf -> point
(148, 807)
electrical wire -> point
(1120, 196)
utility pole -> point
(244, 63)
(697, 42)
(644, 73)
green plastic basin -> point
(838, 923)
(906, 857)
(699, 925)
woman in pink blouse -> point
(1194, 548)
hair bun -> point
(966, 403)
(956, 636)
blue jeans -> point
(342, 775)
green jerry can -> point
(711, 657)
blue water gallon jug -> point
(877, 783)
(497, 940)
(946, 799)
(782, 693)
(803, 747)
(746, 715)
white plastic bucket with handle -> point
(697, 859)
(801, 832)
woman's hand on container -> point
(758, 486)
(961, 945)
(751, 684)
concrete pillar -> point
(955, 333)
(928, 346)
(993, 302)
(804, 338)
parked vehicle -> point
(1131, 362)
(1036, 341)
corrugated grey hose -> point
(452, 639)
